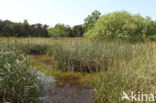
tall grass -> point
(133, 75)
(89, 56)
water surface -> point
(62, 91)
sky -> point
(70, 12)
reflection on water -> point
(57, 92)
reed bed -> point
(120, 65)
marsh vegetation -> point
(111, 54)
(109, 67)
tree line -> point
(24, 29)
(61, 30)
(117, 24)
(9, 28)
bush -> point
(122, 25)
(17, 82)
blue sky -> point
(69, 12)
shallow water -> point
(55, 91)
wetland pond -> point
(55, 91)
(63, 90)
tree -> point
(90, 20)
(122, 24)
(60, 30)
(150, 28)
(26, 28)
(77, 31)
(5, 28)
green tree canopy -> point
(8, 28)
(90, 20)
(60, 30)
(122, 24)
(77, 31)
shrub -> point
(17, 82)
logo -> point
(138, 97)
